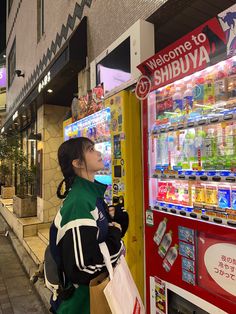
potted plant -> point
(6, 161)
(25, 202)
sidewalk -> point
(17, 294)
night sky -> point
(2, 25)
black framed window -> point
(40, 19)
(12, 63)
(9, 5)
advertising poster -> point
(217, 265)
(227, 20)
(88, 104)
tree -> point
(6, 152)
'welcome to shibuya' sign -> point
(208, 44)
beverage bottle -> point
(211, 159)
(165, 244)
(209, 90)
(233, 197)
(163, 146)
(170, 257)
(198, 91)
(188, 99)
(177, 100)
(160, 231)
(158, 149)
(171, 149)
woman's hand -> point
(115, 224)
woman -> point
(81, 224)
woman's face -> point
(93, 159)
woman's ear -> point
(76, 164)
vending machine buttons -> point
(190, 124)
(193, 215)
(205, 217)
(228, 116)
(215, 119)
(231, 223)
(217, 220)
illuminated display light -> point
(99, 120)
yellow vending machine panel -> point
(125, 131)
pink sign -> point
(3, 77)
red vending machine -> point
(190, 171)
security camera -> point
(19, 73)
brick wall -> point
(107, 20)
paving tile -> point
(5, 306)
(8, 311)
(28, 304)
(5, 249)
(17, 294)
(13, 270)
(2, 289)
(18, 286)
(4, 299)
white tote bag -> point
(121, 292)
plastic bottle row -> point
(216, 196)
(196, 94)
(204, 147)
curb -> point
(28, 264)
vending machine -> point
(189, 153)
(116, 131)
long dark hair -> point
(72, 149)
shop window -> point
(9, 5)
(12, 64)
(40, 19)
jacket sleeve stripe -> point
(79, 254)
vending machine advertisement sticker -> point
(149, 218)
(186, 250)
(186, 234)
(188, 265)
(188, 277)
(217, 265)
(158, 295)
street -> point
(17, 295)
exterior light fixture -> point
(19, 73)
(35, 137)
(50, 91)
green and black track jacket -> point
(79, 227)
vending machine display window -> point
(193, 141)
(97, 128)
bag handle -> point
(107, 258)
